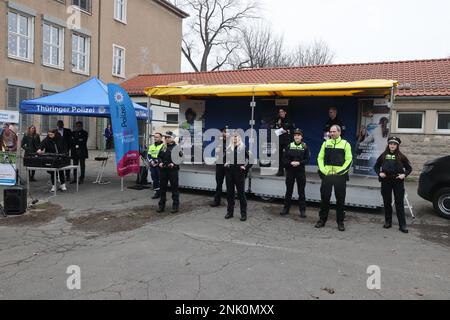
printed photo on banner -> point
(372, 136)
(192, 120)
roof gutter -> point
(174, 9)
(423, 98)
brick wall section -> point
(420, 148)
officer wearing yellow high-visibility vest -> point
(335, 160)
(296, 156)
(153, 152)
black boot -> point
(341, 227)
(215, 204)
(303, 214)
(157, 195)
(404, 229)
(229, 216)
(243, 217)
(285, 211)
(320, 224)
(387, 225)
(175, 208)
(161, 209)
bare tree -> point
(260, 48)
(211, 34)
(317, 53)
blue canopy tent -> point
(89, 99)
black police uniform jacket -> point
(336, 122)
(79, 145)
(296, 152)
(391, 166)
(55, 145)
(288, 126)
(165, 156)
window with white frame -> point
(443, 121)
(172, 118)
(410, 122)
(120, 10)
(80, 53)
(118, 61)
(20, 36)
(53, 46)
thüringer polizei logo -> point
(118, 97)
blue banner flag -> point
(125, 128)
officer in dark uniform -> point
(283, 122)
(333, 120)
(392, 168)
(296, 156)
(335, 160)
(237, 166)
(221, 158)
(169, 165)
(79, 151)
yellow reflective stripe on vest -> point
(293, 146)
(154, 150)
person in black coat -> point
(392, 168)
(79, 151)
(30, 143)
(66, 135)
(283, 122)
(221, 159)
(169, 168)
(333, 120)
(53, 143)
(297, 155)
(237, 167)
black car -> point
(434, 185)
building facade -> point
(52, 45)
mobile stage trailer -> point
(307, 104)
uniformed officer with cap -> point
(335, 160)
(392, 168)
(296, 156)
(169, 167)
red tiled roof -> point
(417, 77)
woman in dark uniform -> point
(392, 168)
(236, 168)
(30, 143)
(296, 156)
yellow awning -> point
(357, 88)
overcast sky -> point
(366, 30)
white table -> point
(55, 170)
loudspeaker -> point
(15, 201)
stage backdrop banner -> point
(372, 137)
(125, 128)
(8, 157)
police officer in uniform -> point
(332, 121)
(283, 122)
(153, 152)
(221, 158)
(296, 156)
(392, 168)
(237, 166)
(79, 151)
(334, 160)
(169, 166)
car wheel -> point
(441, 202)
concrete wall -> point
(429, 144)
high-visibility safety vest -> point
(153, 150)
(335, 157)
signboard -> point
(8, 146)
(372, 137)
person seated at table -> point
(8, 139)
(30, 143)
(53, 143)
